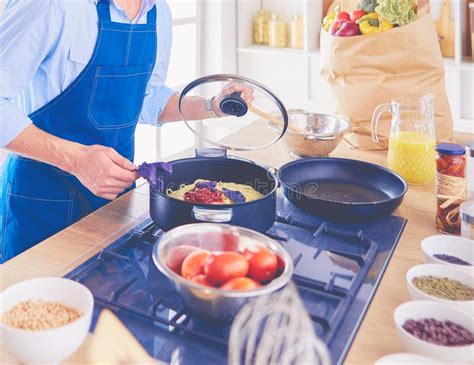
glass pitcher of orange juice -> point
(412, 140)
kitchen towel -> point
(362, 72)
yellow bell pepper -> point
(372, 15)
(385, 25)
(369, 24)
(328, 20)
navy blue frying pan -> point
(342, 190)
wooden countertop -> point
(61, 253)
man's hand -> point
(103, 171)
(194, 107)
(246, 92)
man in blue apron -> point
(91, 70)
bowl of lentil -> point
(441, 283)
(457, 252)
(436, 330)
(44, 320)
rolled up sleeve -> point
(12, 122)
(157, 93)
(154, 104)
(27, 31)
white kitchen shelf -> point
(253, 48)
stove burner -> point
(337, 270)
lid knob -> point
(233, 104)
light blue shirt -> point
(44, 46)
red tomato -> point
(202, 280)
(263, 263)
(177, 255)
(240, 284)
(193, 264)
(280, 266)
(343, 15)
(223, 266)
(357, 14)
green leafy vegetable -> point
(367, 5)
(400, 12)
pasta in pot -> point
(213, 192)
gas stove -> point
(337, 271)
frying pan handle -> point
(213, 216)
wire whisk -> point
(276, 329)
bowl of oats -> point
(45, 320)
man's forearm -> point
(42, 146)
(194, 108)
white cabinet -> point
(286, 73)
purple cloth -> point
(234, 195)
(150, 172)
(211, 185)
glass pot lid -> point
(248, 115)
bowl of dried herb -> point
(441, 283)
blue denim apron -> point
(101, 106)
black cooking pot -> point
(214, 165)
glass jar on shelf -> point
(278, 31)
(450, 186)
(260, 27)
(296, 31)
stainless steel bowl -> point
(213, 302)
(312, 134)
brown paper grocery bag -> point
(364, 71)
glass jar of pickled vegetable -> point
(260, 27)
(296, 31)
(450, 186)
(278, 32)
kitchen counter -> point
(66, 250)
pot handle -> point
(213, 216)
(211, 152)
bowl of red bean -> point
(443, 284)
(453, 251)
(436, 330)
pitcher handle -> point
(378, 112)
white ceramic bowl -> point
(52, 345)
(422, 309)
(460, 247)
(441, 271)
(406, 359)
